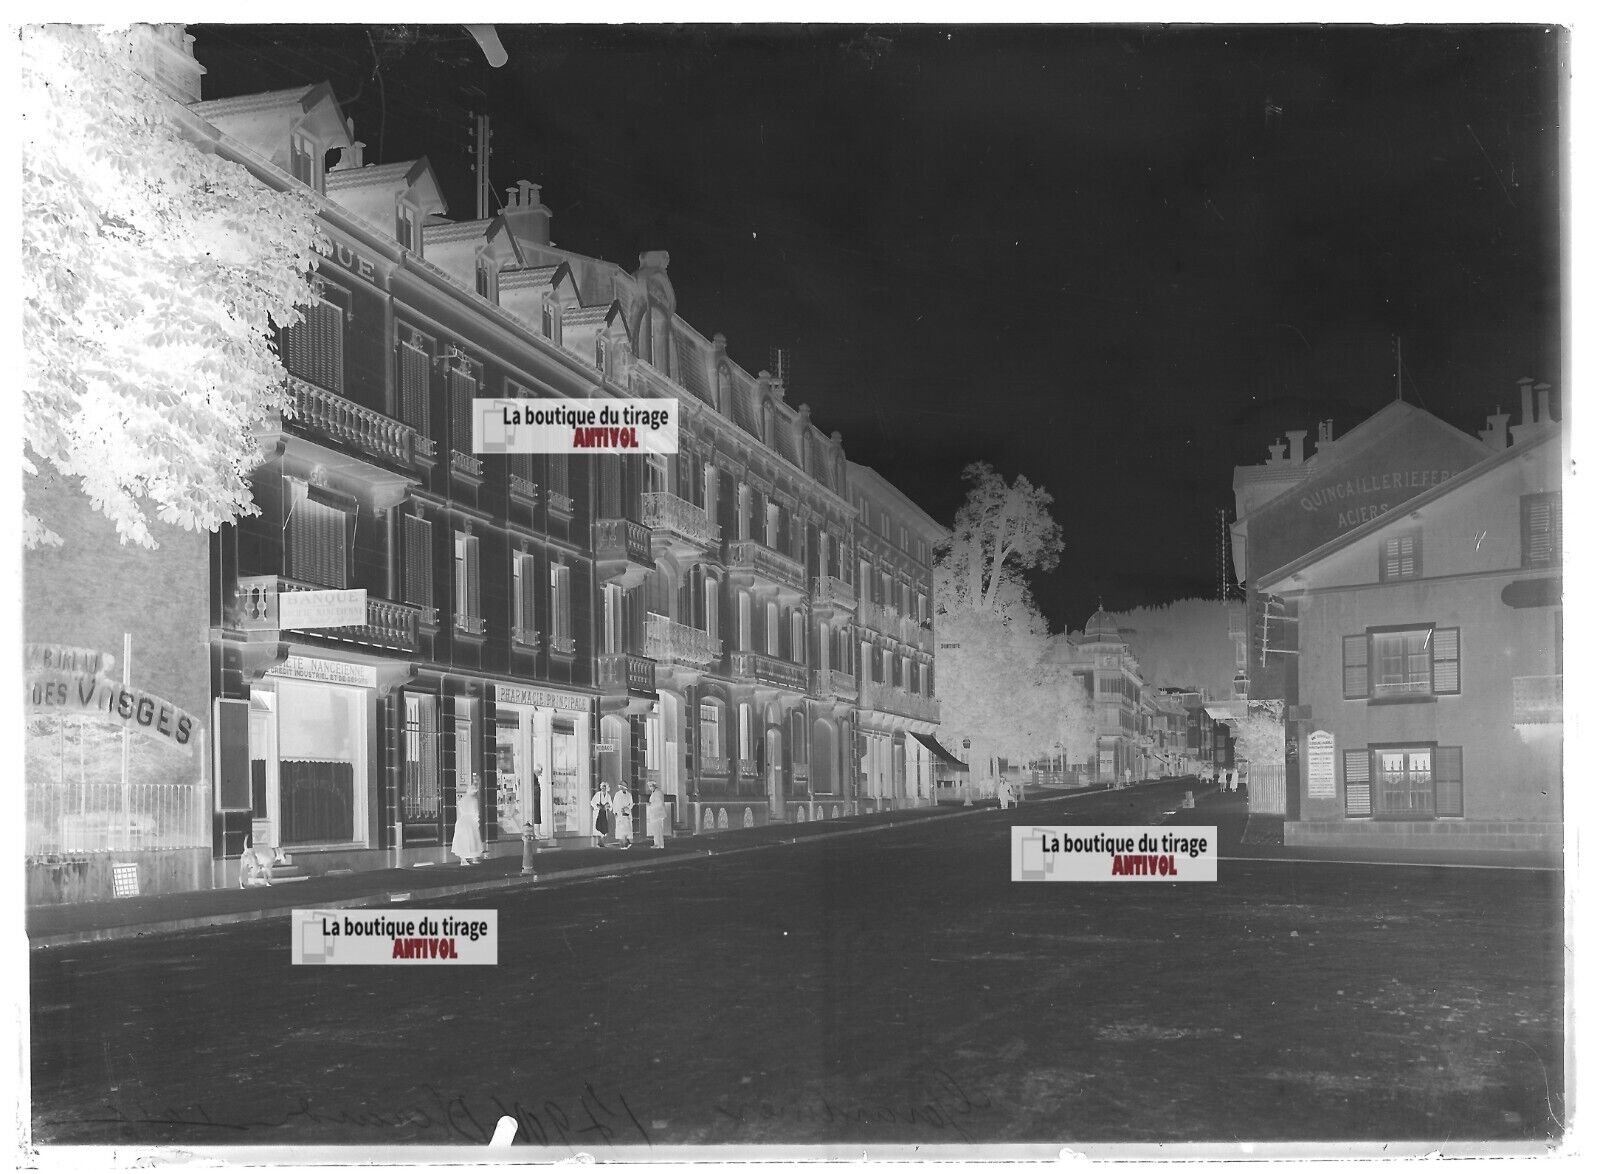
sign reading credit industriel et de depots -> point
(397, 937)
(1151, 853)
(574, 425)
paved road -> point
(893, 988)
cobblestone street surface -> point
(889, 988)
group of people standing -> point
(613, 814)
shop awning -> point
(939, 751)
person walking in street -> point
(622, 815)
(655, 816)
(467, 843)
(599, 809)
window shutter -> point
(1357, 782)
(463, 388)
(1541, 530)
(1447, 660)
(471, 605)
(1447, 781)
(415, 366)
(1355, 667)
(418, 585)
(558, 473)
(1402, 557)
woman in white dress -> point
(467, 842)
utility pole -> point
(481, 152)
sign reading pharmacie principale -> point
(574, 426)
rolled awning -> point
(939, 751)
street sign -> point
(322, 609)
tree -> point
(152, 273)
(1186, 644)
(1258, 735)
(998, 685)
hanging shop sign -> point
(540, 698)
(138, 709)
(1319, 766)
(322, 609)
(329, 672)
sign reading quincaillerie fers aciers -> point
(322, 609)
(1319, 766)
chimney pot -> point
(1297, 440)
(1543, 392)
(1526, 386)
(1276, 449)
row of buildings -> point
(1405, 607)
(746, 623)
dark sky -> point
(1119, 260)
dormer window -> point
(305, 160)
(488, 280)
(550, 320)
(405, 227)
(600, 353)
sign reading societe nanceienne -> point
(330, 672)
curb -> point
(517, 881)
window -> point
(1401, 663)
(773, 630)
(560, 495)
(469, 613)
(797, 637)
(710, 729)
(747, 732)
(405, 226)
(524, 623)
(317, 545)
(416, 579)
(420, 786)
(550, 319)
(313, 349)
(305, 160)
(1541, 530)
(600, 353)
(611, 617)
(561, 637)
(1402, 558)
(415, 367)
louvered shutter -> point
(415, 366)
(1402, 557)
(1447, 781)
(1541, 530)
(1355, 667)
(1447, 660)
(470, 604)
(463, 389)
(418, 585)
(1357, 782)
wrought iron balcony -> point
(714, 764)
(523, 488)
(749, 768)
(626, 673)
(389, 625)
(320, 410)
(524, 637)
(882, 617)
(669, 642)
(833, 683)
(622, 551)
(769, 670)
(669, 516)
(1537, 701)
(828, 591)
(881, 697)
(465, 463)
(762, 561)
(469, 625)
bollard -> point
(527, 850)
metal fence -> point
(1266, 789)
(103, 817)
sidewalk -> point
(1243, 836)
(56, 925)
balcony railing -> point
(371, 431)
(628, 672)
(669, 642)
(469, 625)
(753, 556)
(827, 591)
(881, 617)
(1536, 700)
(884, 698)
(749, 768)
(769, 670)
(618, 538)
(925, 637)
(389, 624)
(524, 488)
(668, 511)
(714, 764)
(559, 502)
(834, 683)
(524, 637)
(465, 462)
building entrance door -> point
(774, 754)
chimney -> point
(1324, 434)
(1297, 440)
(1276, 449)
(1495, 434)
(1526, 385)
(526, 215)
(1542, 390)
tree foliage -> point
(1184, 644)
(1258, 736)
(152, 271)
(998, 685)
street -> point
(884, 988)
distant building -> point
(1101, 657)
(1412, 621)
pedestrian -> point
(598, 810)
(1127, 776)
(467, 843)
(622, 815)
(655, 816)
(1233, 781)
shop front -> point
(542, 764)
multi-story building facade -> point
(1100, 655)
(898, 712)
